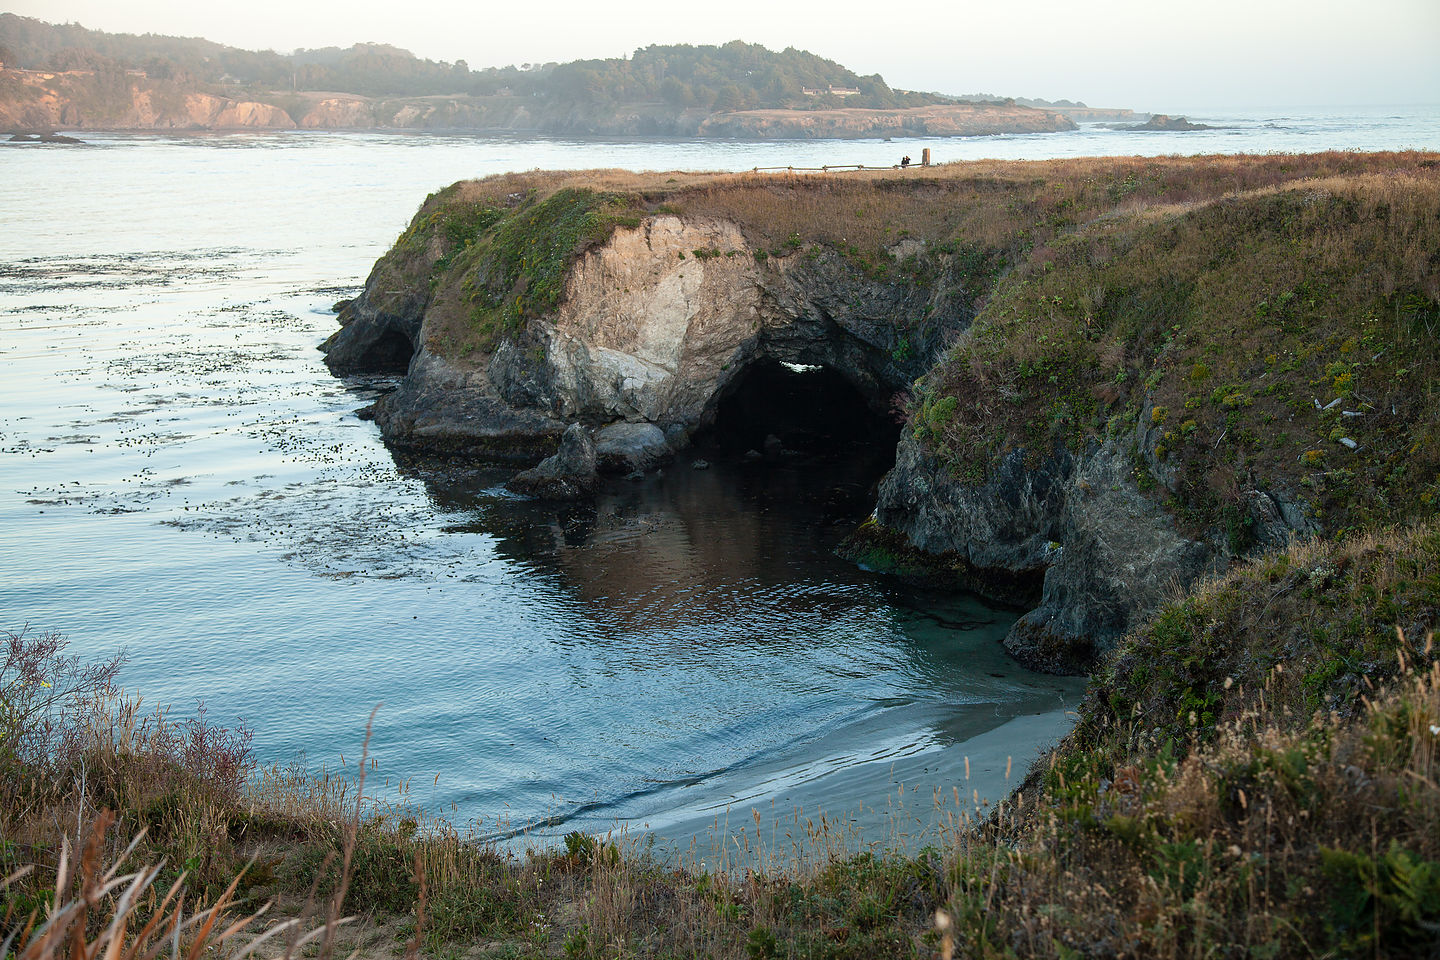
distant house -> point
(832, 90)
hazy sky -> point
(1147, 54)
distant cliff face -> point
(84, 101)
(1119, 376)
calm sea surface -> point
(181, 478)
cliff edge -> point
(1118, 377)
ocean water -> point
(182, 479)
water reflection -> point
(757, 667)
(730, 543)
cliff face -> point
(86, 100)
(1106, 401)
(655, 326)
(83, 101)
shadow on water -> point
(787, 466)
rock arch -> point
(774, 404)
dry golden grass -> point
(1271, 840)
(979, 202)
(1275, 838)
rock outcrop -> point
(1096, 555)
(655, 328)
(567, 474)
(1163, 121)
(1083, 444)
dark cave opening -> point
(776, 409)
(389, 354)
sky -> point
(1149, 55)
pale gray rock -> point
(624, 447)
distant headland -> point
(70, 78)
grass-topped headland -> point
(994, 219)
(1236, 323)
(1215, 356)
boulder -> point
(626, 447)
(569, 474)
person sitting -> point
(905, 161)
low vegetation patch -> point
(1270, 340)
(1229, 791)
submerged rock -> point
(43, 138)
(568, 474)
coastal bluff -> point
(91, 100)
(1116, 377)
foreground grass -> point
(1257, 773)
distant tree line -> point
(676, 79)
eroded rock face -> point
(442, 409)
(654, 328)
(1120, 557)
(647, 328)
(338, 112)
(1106, 555)
(380, 332)
(75, 100)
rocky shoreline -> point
(79, 100)
(659, 317)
